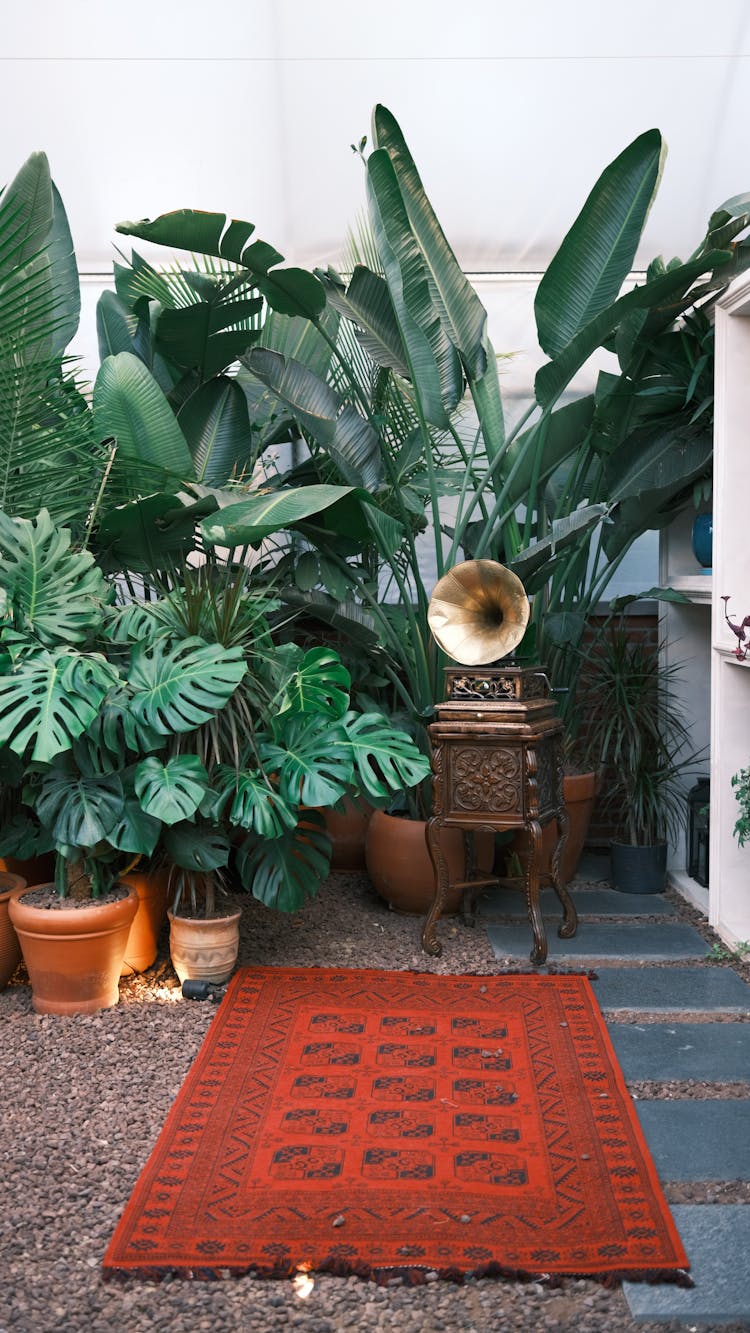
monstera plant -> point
(174, 724)
(82, 720)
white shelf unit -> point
(729, 896)
(685, 636)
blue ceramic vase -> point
(702, 540)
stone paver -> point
(672, 990)
(698, 1140)
(588, 902)
(717, 1241)
(715, 1052)
(630, 939)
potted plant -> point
(638, 740)
(82, 714)
(375, 387)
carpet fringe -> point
(335, 1266)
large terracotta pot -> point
(10, 949)
(37, 870)
(347, 830)
(204, 949)
(152, 887)
(579, 795)
(400, 866)
(74, 955)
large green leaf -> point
(248, 521)
(80, 811)
(178, 688)
(385, 760)
(367, 303)
(348, 437)
(312, 758)
(460, 306)
(564, 532)
(561, 438)
(320, 684)
(665, 461)
(406, 276)
(215, 423)
(247, 801)
(115, 735)
(196, 847)
(171, 791)
(285, 872)
(130, 406)
(587, 272)
(135, 831)
(555, 376)
(291, 291)
(116, 326)
(143, 536)
(50, 699)
(461, 312)
(54, 594)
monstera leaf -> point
(176, 689)
(196, 847)
(115, 736)
(251, 803)
(54, 594)
(171, 791)
(385, 760)
(313, 760)
(80, 811)
(135, 831)
(320, 684)
(285, 872)
(50, 699)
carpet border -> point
(412, 1275)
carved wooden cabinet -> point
(497, 764)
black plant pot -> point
(639, 869)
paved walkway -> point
(650, 963)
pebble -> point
(83, 1102)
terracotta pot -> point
(73, 956)
(37, 870)
(152, 887)
(204, 949)
(400, 865)
(579, 794)
(10, 949)
(347, 830)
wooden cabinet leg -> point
(533, 905)
(569, 924)
(430, 943)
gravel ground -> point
(84, 1099)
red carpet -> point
(399, 1122)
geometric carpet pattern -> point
(383, 1123)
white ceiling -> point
(250, 107)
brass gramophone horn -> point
(478, 612)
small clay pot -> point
(152, 887)
(204, 949)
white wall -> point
(250, 107)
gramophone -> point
(497, 741)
